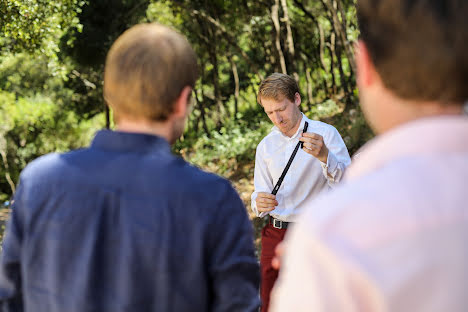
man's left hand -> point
(314, 145)
(279, 251)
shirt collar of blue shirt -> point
(129, 142)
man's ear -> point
(297, 99)
(182, 103)
(366, 72)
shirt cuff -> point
(254, 207)
(330, 167)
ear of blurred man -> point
(365, 68)
(370, 86)
(182, 103)
(179, 116)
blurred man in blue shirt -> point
(124, 225)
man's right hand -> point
(266, 202)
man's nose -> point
(278, 117)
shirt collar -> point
(129, 142)
(436, 135)
(301, 126)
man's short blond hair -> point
(277, 86)
(146, 69)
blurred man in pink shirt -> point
(394, 235)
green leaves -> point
(52, 57)
(33, 24)
(33, 126)
(224, 151)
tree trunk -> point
(310, 94)
(322, 48)
(230, 39)
(321, 33)
(343, 80)
(201, 103)
(7, 171)
(215, 76)
(202, 110)
(331, 47)
(236, 86)
(340, 30)
(107, 117)
(276, 23)
(289, 41)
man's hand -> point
(313, 145)
(266, 202)
(279, 251)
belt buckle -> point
(280, 226)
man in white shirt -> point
(394, 235)
(318, 166)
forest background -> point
(52, 57)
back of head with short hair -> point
(277, 86)
(419, 47)
(146, 69)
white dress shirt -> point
(393, 236)
(306, 177)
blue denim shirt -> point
(126, 226)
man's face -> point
(283, 113)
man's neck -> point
(161, 129)
(416, 111)
(394, 111)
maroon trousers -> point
(271, 237)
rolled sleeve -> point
(330, 168)
(338, 158)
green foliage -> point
(35, 126)
(26, 24)
(162, 13)
(102, 22)
(25, 75)
(226, 150)
(52, 61)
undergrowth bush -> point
(226, 150)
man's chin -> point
(284, 131)
(283, 128)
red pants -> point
(270, 238)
